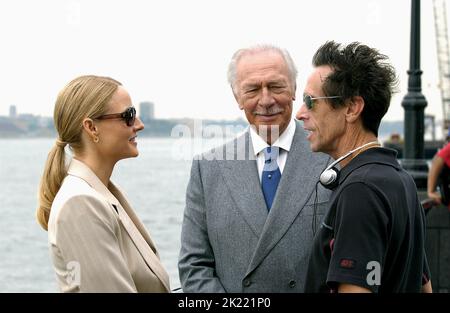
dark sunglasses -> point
(309, 101)
(129, 116)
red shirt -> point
(444, 153)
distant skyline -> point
(175, 53)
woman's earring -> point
(96, 140)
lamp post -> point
(414, 104)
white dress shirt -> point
(283, 142)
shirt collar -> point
(81, 170)
(378, 155)
(284, 141)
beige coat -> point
(97, 243)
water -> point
(155, 184)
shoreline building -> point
(146, 111)
(12, 111)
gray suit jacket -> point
(229, 241)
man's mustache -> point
(271, 111)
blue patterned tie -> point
(271, 175)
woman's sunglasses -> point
(129, 116)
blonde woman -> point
(97, 243)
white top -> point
(283, 142)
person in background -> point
(440, 172)
(372, 238)
(248, 218)
(97, 243)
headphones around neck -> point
(329, 177)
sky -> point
(175, 53)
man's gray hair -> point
(232, 68)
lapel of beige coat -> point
(128, 218)
(140, 236)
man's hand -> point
(349, 288)
(427, 287)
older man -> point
(373, 236)
(248, 219)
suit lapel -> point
(240, 173)
(297, 183)
(140, 237)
